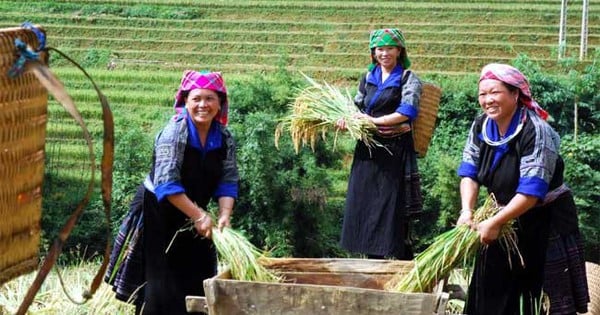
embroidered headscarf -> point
(192, 80)
(512, 76)
(388, 37)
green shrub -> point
(283, 200)
(582, 175)
(96, 58)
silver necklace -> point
(493, 143)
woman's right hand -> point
(204, 226)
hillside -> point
(325, 38)
(148, 43)
(137, 49)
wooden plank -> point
(357, 280)
(196, 304)
(338, 265)
(230, 297)
(317, 286)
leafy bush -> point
(582, 175)
(283, 196)
(96, 58)
(559, 93)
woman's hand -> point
(363, 116)
(488, 231)
(465, 218)
(388, 131)
(224, 221)
(341, 124)
(204, 226)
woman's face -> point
(387, 56)
(497, 101)
(203, 105)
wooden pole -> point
(562, 33)
(584, 30)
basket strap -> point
(56, 88)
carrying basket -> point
(593, 278)
(424, 124)
(23, 116)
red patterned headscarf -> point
(192, 80)
(512, 76)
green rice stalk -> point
(455, 248)
(235, 251)
(316, 110)
(242, 257)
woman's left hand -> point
(388, 131)
(224, 221)
(488, 231)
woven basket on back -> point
(23, 109)
(593, 278)
(425, 122)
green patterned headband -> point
(387, 37)
(390, 37)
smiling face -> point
(497, 101)
(203, 105)
(387, 56)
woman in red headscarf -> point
(193, 162)
(513, 152)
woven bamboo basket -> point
(425, 123)
(593, 278)
(23, 116)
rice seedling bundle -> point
(236, 251)
(242, 257)
(316, 110)
(455, 248)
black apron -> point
(190, 259)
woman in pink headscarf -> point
(513, 152)
(193, 162)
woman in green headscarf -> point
(384, 188)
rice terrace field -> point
(136, 51)
(148, 43)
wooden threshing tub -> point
(317, 287)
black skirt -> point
(383, 191)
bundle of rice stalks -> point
(316, 110)
(242, 257)
(236, 251)
(456, 248)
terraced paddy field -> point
(148, 43)
(326, 37)
(136, 50)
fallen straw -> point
(316, 110)
(455, 248)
